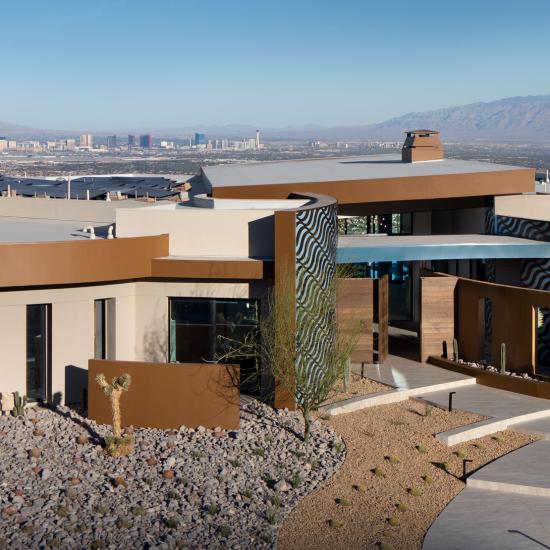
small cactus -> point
(503, 358)
(455, 349)
(19, 403)
(116, 445)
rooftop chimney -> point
(422, 145)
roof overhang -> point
(364, 248)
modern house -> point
(178, 275)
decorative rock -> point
(281, 486)
(34, 452)
(119, 481)
(210, 467)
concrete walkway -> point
(406, 378)
(505, 505)
(491, 520)
(503, 408)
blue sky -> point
(114, 64)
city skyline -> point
(268, 65)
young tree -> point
(301, 343)
(117, 445)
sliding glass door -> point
(38, 352)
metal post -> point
(451, 393)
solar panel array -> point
(98, 186)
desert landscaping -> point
(182, 488)
(396, 479)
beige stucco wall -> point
(203, 231)
(530, 207)
(141, 326)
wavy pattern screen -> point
(316, 242)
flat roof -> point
(365, 248)
(360, 168)
(31, 230)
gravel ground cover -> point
(396, 479)
(357, 386)
(179, 489)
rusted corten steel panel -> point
(496, 380)
(227, 268)
(77, 262)
(396, 190)
(168, 395)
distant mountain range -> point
(511, 119)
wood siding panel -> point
(355, 306)
(383, 318)
(437, 315)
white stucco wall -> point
(203, 231)
(141, 326)
(530, 207)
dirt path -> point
(395, 481)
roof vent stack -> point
(421, 146)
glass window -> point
(38, 352)
(99, 329)
(196, 325)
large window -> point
(199, 328)
(38, 352)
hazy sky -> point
(114, 64)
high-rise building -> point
(111, 142)
(70, 144)
(146, 141)
(86, 140)
(200, 139)
(257, 139)
(131, 140)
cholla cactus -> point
(114, 390)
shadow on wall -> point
(261, 237)
(155, 344)
(76, 381)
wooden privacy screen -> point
(444, 298)
(168, 395)
(513, 321)
(383, 318)
(355, 307)
(437, 315)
